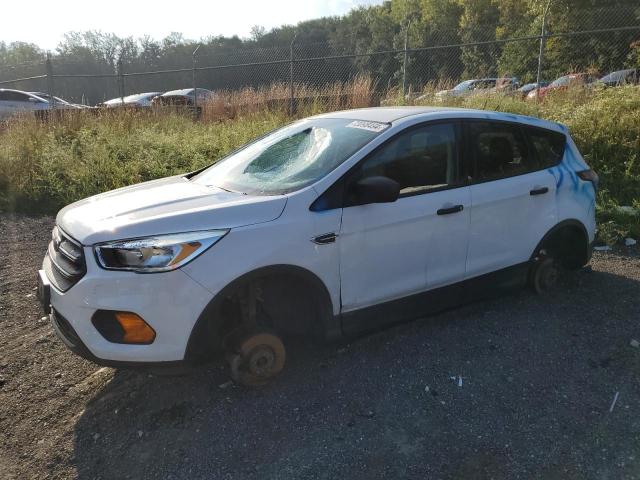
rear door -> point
(512, 196)
(392, 250)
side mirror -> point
(375, 190)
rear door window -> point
(498, 150)
(548, 146)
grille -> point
(64, 263)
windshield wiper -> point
(222, 188)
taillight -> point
(589, 176)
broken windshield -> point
(292, 157)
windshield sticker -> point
(371, 126)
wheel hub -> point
(549, 276)
(259, 357)
(261, 360)
(545, 275)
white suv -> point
(333, 225)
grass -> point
(46, 165)
(360, 92)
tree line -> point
(471, 35)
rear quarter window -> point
(548, 146)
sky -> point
(44, 22)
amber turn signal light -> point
(136, 330)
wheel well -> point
(568, 242)
(290, 300)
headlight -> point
(156, 254)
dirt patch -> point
(538, 378)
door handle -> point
(450, 210)
(325, 239)
(539, 191)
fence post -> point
(120, 74)
(543, 37)
(195, 86)
(292, 105)
(404, 62)
(49, 67)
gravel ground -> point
(519, 387)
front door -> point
(393, 250)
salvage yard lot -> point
(538, 378)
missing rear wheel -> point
(544, 275)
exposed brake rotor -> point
(259, 357)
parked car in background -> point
(563, 83)
(49, 98)
(630, 76)
(333, 225)
(468, 87)
(138, 100)
(58, 100)
(524, 90)
(184, 97)
(506, 85)
(13, 102)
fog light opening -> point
(123, 327)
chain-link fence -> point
(545, 46)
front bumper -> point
(169, 302)
(69, 337)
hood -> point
(169, 205)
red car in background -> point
(563, 83)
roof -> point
(383, 114)
(14, 90)
(394, 114)
(186, 92)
